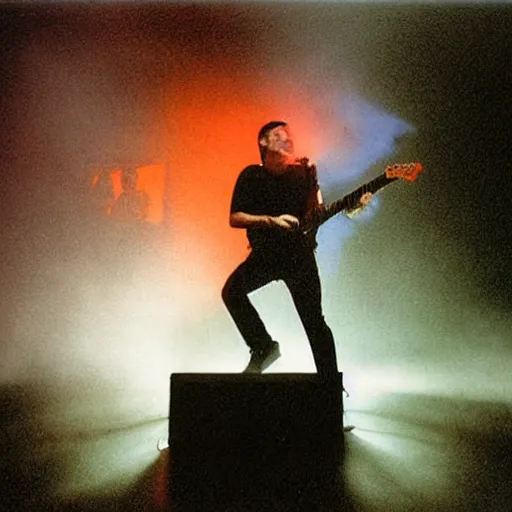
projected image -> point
(129, 193)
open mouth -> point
(286, 149)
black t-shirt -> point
(260, 192)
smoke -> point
(368, 136)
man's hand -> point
(285, 221)
(363, 202)
(365, 199)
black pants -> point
(299, 271)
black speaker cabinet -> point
(236, 437)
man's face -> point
(129, 181)
(279, 144)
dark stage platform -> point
(253, 438)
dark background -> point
(444, 69)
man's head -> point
(129, 179)
(275, 143)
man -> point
(271, 201)
(132, 204)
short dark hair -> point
(263, 131)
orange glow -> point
(151, 180)
(213, 124)
(161, 484)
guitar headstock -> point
(407, 172)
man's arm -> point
(243, 199)
(246, 220)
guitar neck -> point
(350, 201)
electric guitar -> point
(408, 172)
